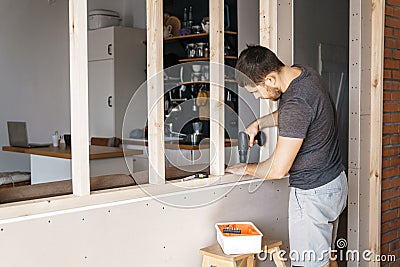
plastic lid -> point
(104, 12)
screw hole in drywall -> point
(2, 229)
(49, 221)
(83, 219)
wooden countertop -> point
(176, 144)
(95, 152)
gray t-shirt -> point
(305, 111)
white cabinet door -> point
(101, 44)
(101, 98)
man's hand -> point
(238, 169)
(252, 130)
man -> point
(307, 149)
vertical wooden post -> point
(365, 125)
(217, 72)
(269, 38)
(155, 91)
(377, 55)
(79, 96)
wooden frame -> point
(217, 92)
(269, 38)
(155, 91)
(79, 90)
(365, 124)
(377, 55)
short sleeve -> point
(294, 118)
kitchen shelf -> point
(203, 59)
(196, 35)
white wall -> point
(33, 72)
(34, 66)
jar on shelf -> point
(191, 50)
(200, 49)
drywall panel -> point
(145, 232)
(285, 31)
(318, 21)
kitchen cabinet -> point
(117, 63)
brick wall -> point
(391, 135)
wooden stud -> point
(217, 94)
(155, 91)
(269, 38)
(377, 55)
(79, 97)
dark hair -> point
(256, 62)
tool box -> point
(239, 237)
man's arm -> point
(277, 166)
(269, 120)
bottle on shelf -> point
(190, 21)
(185, 22)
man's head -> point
(261, 68)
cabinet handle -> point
(109, 49)
(109, 101)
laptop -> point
(18, 135)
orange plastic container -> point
(248, 241)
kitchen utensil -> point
(205, 24)
(55, 139)
(196, 74)
(196, 29)
(206, 72)
(196, 68)
(67, 140)
(168, 129)
(202, 98)
(197, 127)
(194, 138)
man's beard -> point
(276, 93)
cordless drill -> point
(243, 144)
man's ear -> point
(270, 80)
